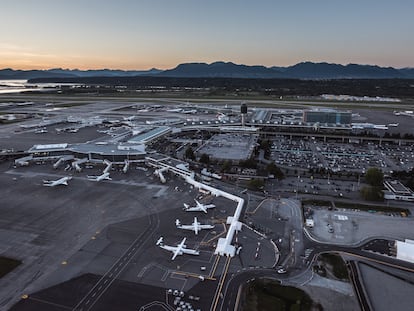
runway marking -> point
(258, 206)
(379, 261)
(221, 283)
(193, 275)
(215, 264)
(216, 236)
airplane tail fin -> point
(186, 206)
(177, 222)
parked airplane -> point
(195, 226)
(177, 250)
(191, 111)
(198, 208)
(100, 177)
(60, 181)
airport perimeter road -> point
(89, 300)
(231, 292)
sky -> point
(141, 34)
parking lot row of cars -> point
(341, 157)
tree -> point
(205, 158)
(226, 166)
(249, 163)
(276, 171)
(189, 153)
(372, 193)
(374, 177)
(256, 184)
(266, 146)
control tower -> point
(243, 111)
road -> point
(231, 288)
(89, 300)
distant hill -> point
(10, 74)
(305, 70)
(309, 70)
(220, 70)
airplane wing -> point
(174, 249)
(177, 252)
(169, 248)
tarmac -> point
(106, 231)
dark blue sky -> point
(134, 34)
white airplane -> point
(191, 111)
(100, 177)
(195, 226)
(198, 208)
(177, 250)
(60, 181)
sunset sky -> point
(141, 34)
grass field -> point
(266, 295)
(7, 265)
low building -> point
(328, 116)
(405, 250)
(234, 147)
(397, 191)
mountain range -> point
(304, 70)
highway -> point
(89, 300)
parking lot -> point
(341, 157)
(347, 227)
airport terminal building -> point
(327, 116)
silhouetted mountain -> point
(10, 74)
(70, 73)
(105, 72)
(309, 70)
(305, 70)
(408, 72)
(220, 70)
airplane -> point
(174, 110)
(60, 181)
(177, 250)
(198, 208)
(100, 177)
(195, 226)
(191, 111)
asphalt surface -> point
(96, 240)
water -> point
(16, 86)
(20, 86)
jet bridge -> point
(61, 160)
(224, 247)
